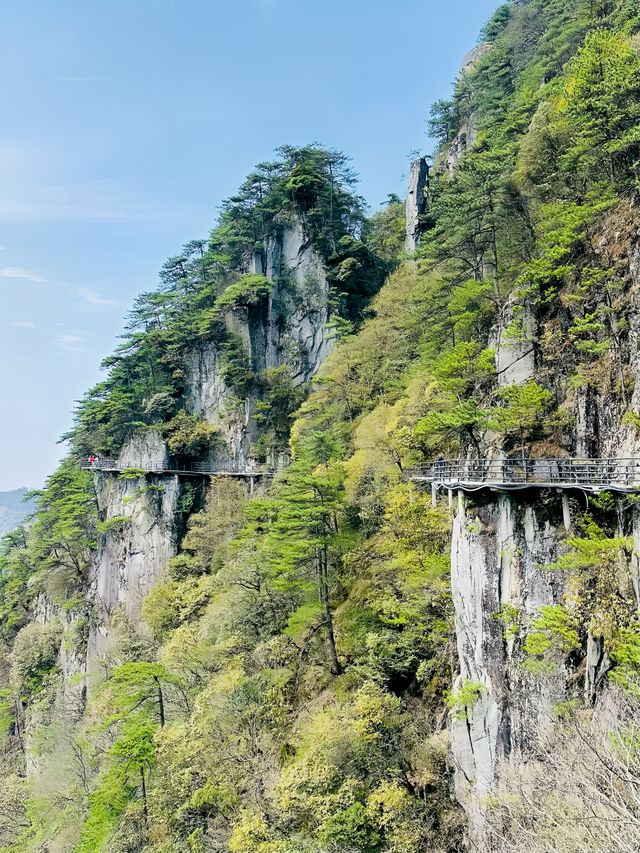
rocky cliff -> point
(288, 329)
(503, 545)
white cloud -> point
(70, 343)
(23, 324)
(93, 297)
(18, 272)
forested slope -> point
(331, 663)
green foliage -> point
(106, 805)
(554, 634)
(523, 410)
(626, 654)
(249, 290)
(133, 688)
(384, 233)
(279, 401)
(598, 564)
(188, 435)
(454, 412)
(235, 364)
(461, 700)
(292, 694)
(509, 617)
(602, 102)
(33, 658)
(145, 383)
(171, 603)
(444, 120)
(351, 827)
(113, 524)
(56, 547)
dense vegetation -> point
(293, 693)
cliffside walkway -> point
(589, 475)
(184, 469)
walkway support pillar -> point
(566, 511)
(252, 484)
(460, 502)
(434, 495)
(450, 496)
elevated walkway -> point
(185, 469)
(510, 475)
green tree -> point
(301, 539)
(602, 92)
(523, 410)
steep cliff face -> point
(143, 513)
(498, 550)
(467, 134)
(500, 547)
(289, 328)
(417, 202)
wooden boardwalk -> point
(589, 475)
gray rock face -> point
(142, 450)
(417, 202)
(500, 545)
(211, 399)
(298, 309)
(514, 342)
(498, 588)
(132, 554)
(463, 140)
(290, 329)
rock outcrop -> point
(514, 342)
(289, 328)
(142, 519)
(417, 202)
(468, 132)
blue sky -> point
(127, 122)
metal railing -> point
(229, 469)
(615, 474)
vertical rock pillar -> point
(417, 200)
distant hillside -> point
(13, 509)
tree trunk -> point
(161, 715)
(334, 663)
(145, 810)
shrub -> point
(188, 435)
(34, 657)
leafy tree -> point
(444, 121)
(523, 410)
(188, 435)
(276, 409)
(302, 533)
